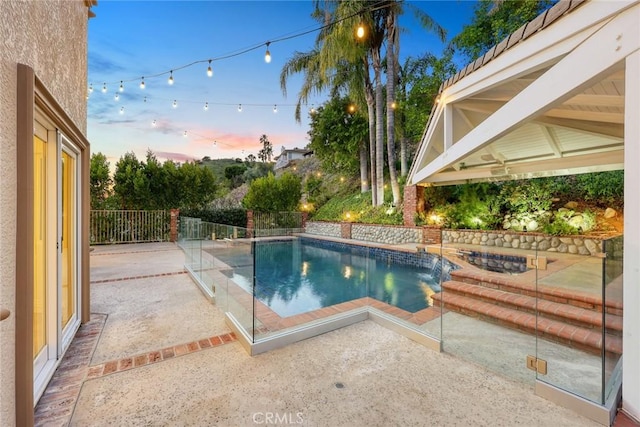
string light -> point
(91, 88)
(209, 70)
(239, 108)
(121, 110)
(393, 105)
(142, 83)
(170, 81)
(121, 86)
(360, 31)
(153, 123)
(185, 133)
(267, 55)
(116, 97)
(145, 99)
(104, 88)
(206, 106)
(275, 108)
(175, 104)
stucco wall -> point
(51, 38)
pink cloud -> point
(178, 157)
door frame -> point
(32, 93)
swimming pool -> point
(301, 275)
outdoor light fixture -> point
(104, 88)
(121, 110)
(209, 70)
(91, 88)
(352, 108)
(153, 123)
(393, 105)
(175, 104)
(185, 134)
(206, 106)
(267, 55)
(142, 83)
(145, 99)
(360, 31)
(275, 108)
(116, 97)
(121, 86)
(239, 108)
(170, 81)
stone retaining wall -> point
(582, 245)
(329, 229)
(390, 234)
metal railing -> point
(129, 226)
(264, 222)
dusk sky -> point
(132, 39)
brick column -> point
(345, 230)
(413, 204)
(249, 224)
(173, 233)
(305, 216)
(431, 235)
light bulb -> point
(153, 123)
(209, 70)
(267, 55)
(145, 99)
(104, 88)
(352, 108)
(275, 108)
(360, 31)
(206, 106)
(393, 105)
(142, 84)
(240, 108)
(121, 86)
(116, 97)
(121, 110)
(170, 77)
(175, 104)
(91, 88)
(185, 133)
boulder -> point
(610, 213)
(571, 205)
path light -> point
(347, 215)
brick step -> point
(553, 330)
(552, 310)
(550, 293)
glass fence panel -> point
(612, 285)
(488, 300)
(570, 307)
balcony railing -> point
(129, 226)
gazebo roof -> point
(548, 100)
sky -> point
(129, 40)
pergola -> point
(559, 96)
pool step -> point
(574, 336)
(549, 293)
(566, 313)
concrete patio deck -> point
(156, 352)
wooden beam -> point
(550, 136)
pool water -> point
(295, 277)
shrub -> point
(229, 216)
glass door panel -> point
(39, 254)
(67, 239)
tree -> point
(271, 194)
(124, 180)
(336, 137)
(267, 149)
(493, 21)
(250, 159)
(234, 174)
(100, 181)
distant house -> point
(286, 156)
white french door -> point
(55, 249)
